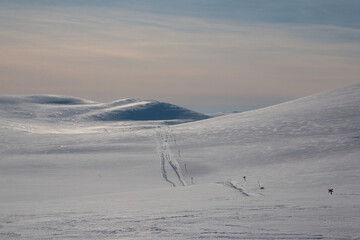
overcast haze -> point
(205, 55)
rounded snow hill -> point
(139, 110)
(60, 108)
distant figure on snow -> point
(244, 177)
(261, 187)
(331, 190)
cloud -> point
(105, 54)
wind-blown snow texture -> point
(76, 169)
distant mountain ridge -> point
(42, 99)
(53, 107)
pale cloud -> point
(106, 54)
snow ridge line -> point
(166, 155)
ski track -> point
(176, 170)
(239, 187)
(164, 138)
(163, 170)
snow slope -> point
(81, 178)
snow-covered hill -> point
(325, 126)
(67, 173)
(61, 108)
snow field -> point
(73, 178)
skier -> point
(244, 178)
(331, 190)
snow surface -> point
(65, 174)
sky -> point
(206, 55)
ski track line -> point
(166, 155)
(172, 164)
(163, 170)
(235, 186)
(161, 150)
